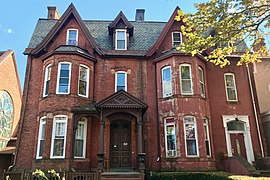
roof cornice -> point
(71, 10)
(165, 30)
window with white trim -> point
(186, 79)
(230, 86)
(80, 139)
(83, 84)
(59, 136)
(207, 137)
(191, 140)
(170, 137)
(63, 78)
(201, 80)
(41, 134)
(47, 78)
(176, 39)
(166, 81)
(72, 37)
(121, 39)
(120, 81)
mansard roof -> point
(144, 36)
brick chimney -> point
(139, 15)
(53, 12)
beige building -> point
(262, 82)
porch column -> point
(141, 154)
(101, 142)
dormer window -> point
(72, 37)
(121, 39)
(176, 39)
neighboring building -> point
(10, 107)
(116, 95)
(262, 81)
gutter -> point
(157, 119)
(255, 110)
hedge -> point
(188, 176)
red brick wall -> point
(219, 105)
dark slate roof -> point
(144, 36)
(90, 108)
(43, 27)
(1, 53)
(71, 49)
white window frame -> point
(201, 81)
(58, 78)
(165, 131)
(47, 77)
(67, 38)
(84, 122)
(166, 94)
(234, 88)
(116, 38)
(191, 83)
(87, 81)
(42, 124)
(55, 121)
(120, 72)
(173, 41)
(196, 136)
(206, 125)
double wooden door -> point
(120, 144)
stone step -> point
(121, 176)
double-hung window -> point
(63, 78)
(191, 139)
(230, 85)
(121, 39)
(41, 135)
(59, 136)
(170, 137)
(207, 137)
(201, 80)
(83, 81)
(72, 37)
(80, 139)
(120, 81)
(186, 79)
(166, 81)
(47, 78)
(176, 39)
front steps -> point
(120, 176)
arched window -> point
(80, 139)
(47, 79)
(83, 83)
(120, 81)
(41, 135)
(166, 81)
(170, 137)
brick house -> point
(116, 95)
(10, 107)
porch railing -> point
(66, 176)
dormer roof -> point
(121, 22)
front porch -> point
(120, 144)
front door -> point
(120, 145)
(238, 144)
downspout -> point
(255, 110)
(25, 93)
(157, 118)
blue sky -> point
(18, 18)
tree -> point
(220, 25)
